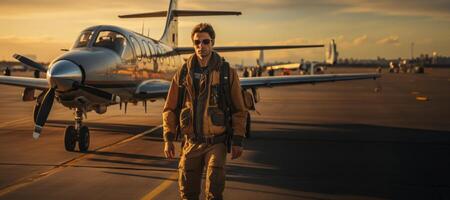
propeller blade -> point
(44, 110)
(29, 62)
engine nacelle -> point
(100, 109)
(28, 94)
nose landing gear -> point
(77, 133)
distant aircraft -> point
(110, 65)
(20, 68)
(311, 68)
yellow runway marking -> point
(4, 124)
(163, 186)
(23, 120)
(28, 180)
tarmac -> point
(340, 140)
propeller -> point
(44, 110)
(30, 62)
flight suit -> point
(202, 124)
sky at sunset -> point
(362, 28)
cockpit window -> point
(83, 39)
(110, 40)
(116, 42)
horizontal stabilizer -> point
(180, 13)
(189, 50)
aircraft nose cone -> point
(63, 74)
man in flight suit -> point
(201, 118)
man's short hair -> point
(204, 27)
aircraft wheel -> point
(248, 126)
(70, 138)
(83, 141)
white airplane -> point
(311, 68)
(109, 65)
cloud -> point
(360, 40)
(44, 47)
(27, 40)
(437, 9)
(389, 40)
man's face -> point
(203, 44)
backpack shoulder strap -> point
(225, 83)
(181, 95)
(181, 88)
(183, 73)
(226, 103)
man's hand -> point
(169, 149)
(236, 151)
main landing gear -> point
(77, 133)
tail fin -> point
(331, 54)
(170, 35)
(260, 60)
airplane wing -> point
(189, 50)
(37, 83)
(157, 88)
(271, 81)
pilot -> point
(107, 41)
(7, 72)
(259, 71)
(253, 72)
(271, 71)
(36, 74)
(245, 74)
(202, 120)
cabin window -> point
(152, 50)
(137, 48)
(149, 47)
(83, 39)
(147, 51)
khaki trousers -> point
(194, 158)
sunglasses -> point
(205, 41)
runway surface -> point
(337, 140)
